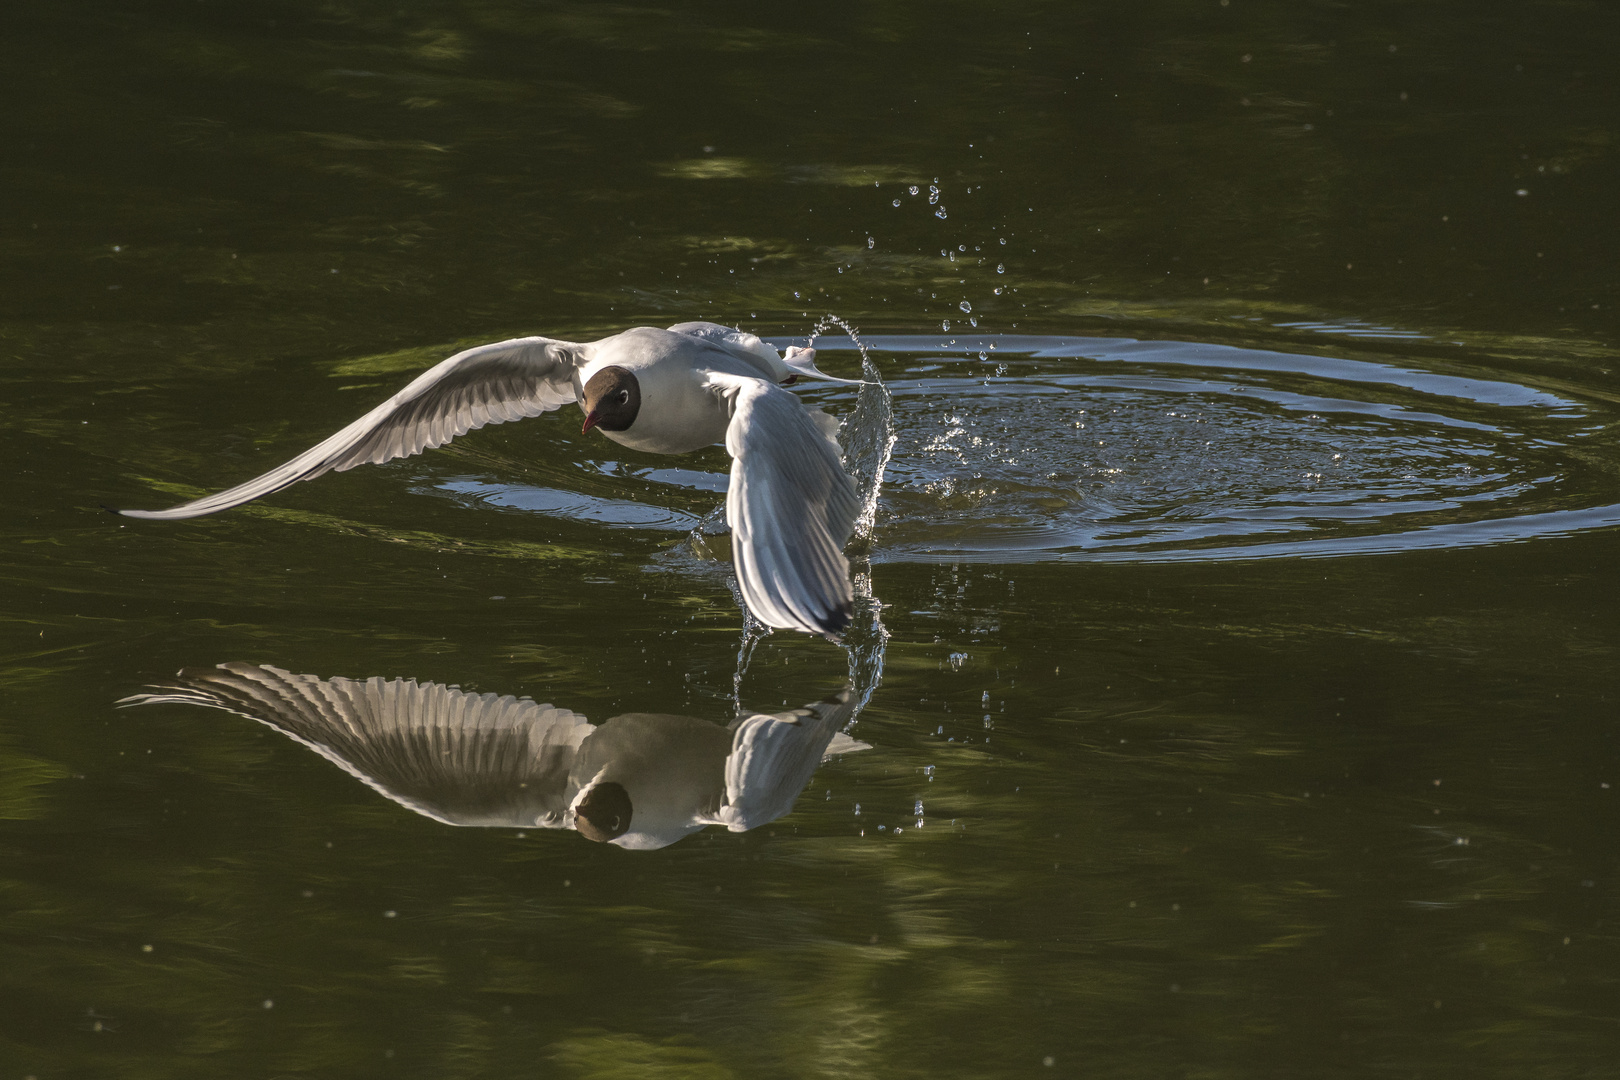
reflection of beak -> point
(592, 418)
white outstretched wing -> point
(773, 757)
(791, 507)
(455, 757)
(778, 367)
(739, 343)
(490, 384)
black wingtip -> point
(835, 623)
(111, 509)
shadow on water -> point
(639, 780)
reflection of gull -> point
(640, 780)
(790, 503)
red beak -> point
(592, 418)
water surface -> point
(1236, 644)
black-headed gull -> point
(640, 780)
(791, 505)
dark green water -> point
(1248, 701)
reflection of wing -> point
(491, 384)
(791, 507)
(459, 758)
(773, 757)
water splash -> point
(868, 433)
(868, 440)
(866, 640)
(753, 632)
(713, 524)
(1110, 449)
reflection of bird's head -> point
(604, 813)
(612, 399)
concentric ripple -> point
(1092, 448)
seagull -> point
(791, 505)
(638, 781)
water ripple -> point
(1027, 448)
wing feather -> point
(791, 507)
(489, 384)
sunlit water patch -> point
(1033, 448)
(574, 505)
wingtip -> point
(151, 515)
(832, 626)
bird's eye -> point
(624, 397)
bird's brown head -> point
(612, 400)
(604, 813)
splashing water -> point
(868, 439)
(868, 434)
(753, 632)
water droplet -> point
(914, 189)
(897, 202)
(1001, 268)
(944, 324)
(965, 306)
(871, 242)
(940, 213)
